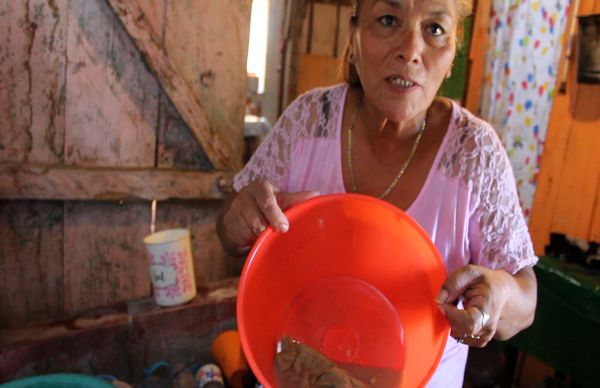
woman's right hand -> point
(246, 215)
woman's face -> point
(403, 50)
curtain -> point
(520, 80)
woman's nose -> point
(409, 46)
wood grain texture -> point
(82, 117)
(317, 70)
(212, 59)
(177, 147)
(218, 147)
(31, 267)
(568, 192)
(74, 183)
(551, 166)
(295, 15)
(345, 14)
(594, 234)
(578, 181)
(121, 339)
(32, 80)
(155, 12)
(323, 33)
(104, 256)
(112, 98)
(479, 45)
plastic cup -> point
(171, 266)
(227, 351)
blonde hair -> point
(349, 73)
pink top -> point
(468, 204)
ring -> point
(461, 339)
(485, 317)
(475, 337)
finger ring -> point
(485, 317)
(461, 339)
(475, 337)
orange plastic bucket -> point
(355, 278)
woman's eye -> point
(436, 30)
(388, 20)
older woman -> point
(384, 133)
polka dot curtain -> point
(520, 80)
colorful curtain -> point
(520, 80)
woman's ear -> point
(449, 73)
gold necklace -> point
(392, 185)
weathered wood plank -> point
(104, 254)
(548, 180)
(31, 267)
(580, 176)
(155, 12)
(121, 339)
(345, 13)
(72, 183)
(295, 14)
(182, 333)
(32, 80)
(211, 263)
(112, 98)
(212, 60)
(323, 33)
(568, 181)
(479, 45)
(305, 45)
(177, 147)
(578, 183)
(219, 149)
(317, 70)
(594, 234)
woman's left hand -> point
(483, 294)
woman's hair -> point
(464, 8)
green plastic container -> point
(62, 380)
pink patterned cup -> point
(171, 266)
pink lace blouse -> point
(468, 204)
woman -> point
(385, 133)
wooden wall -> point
(567, 198)
(105, 105)
(324, 33)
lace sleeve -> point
(271, 159)
(309, 115)
(498, 233)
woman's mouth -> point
(402, 82)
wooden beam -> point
(29, 181)
(119, 336)
(479, 46)
(218, 149)
(297, 12)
